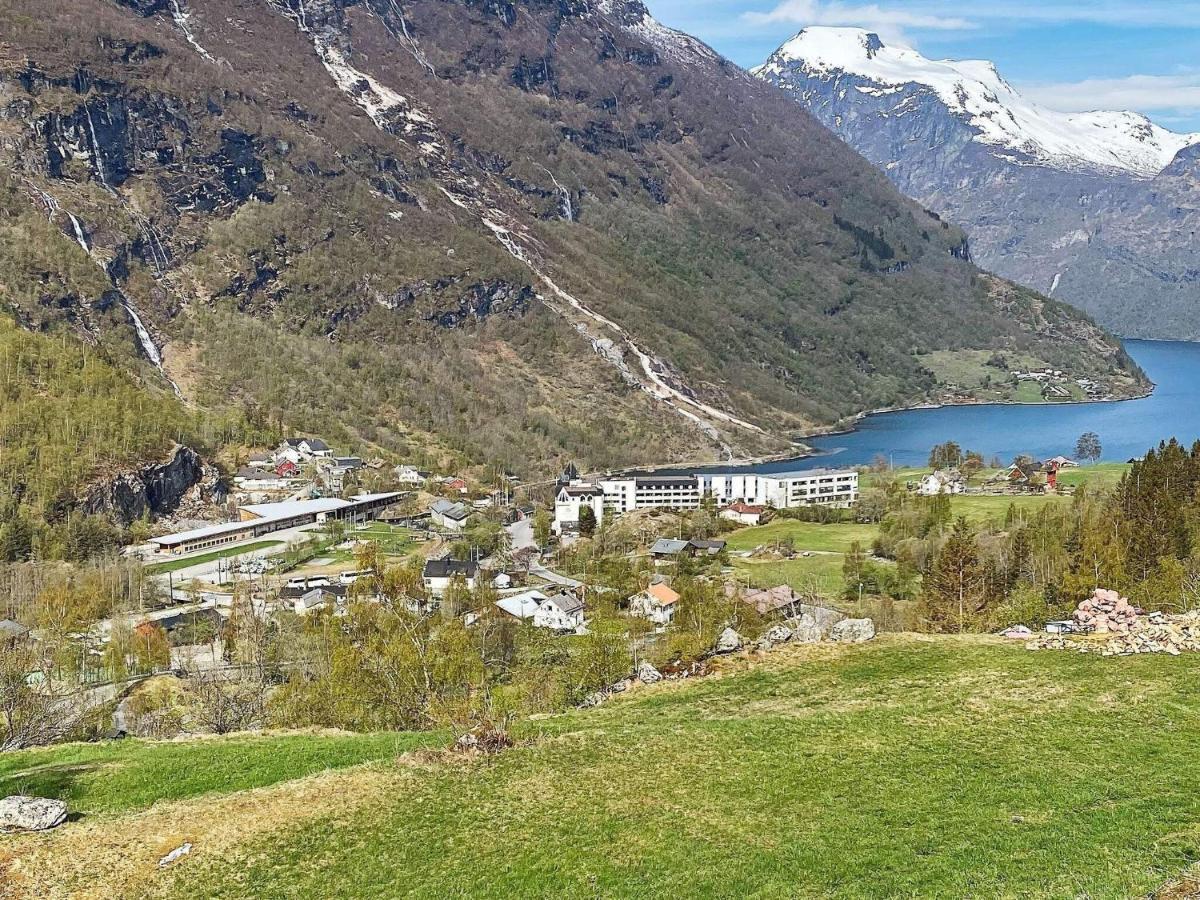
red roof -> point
(742, 507)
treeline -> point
(1142, 539)
(69, 416)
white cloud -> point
(1179, 93)
(953, 15)
(888, 21)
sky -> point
(1142, 55)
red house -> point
(287, 469)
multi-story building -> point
(614, 495)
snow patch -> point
(974, 91)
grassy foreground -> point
(932, 767)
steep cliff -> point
(155, 490)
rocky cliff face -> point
(613, 241)
(156, 490)
(1107, 224)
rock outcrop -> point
(154, 490)
(728, 641)
(853, 631)
(22, 813)
(814, 623)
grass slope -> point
(933, 767)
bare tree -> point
(224, 701)
(32, 711)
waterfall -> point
(79, 235)
(183, 20)
(96, 147)
(148, 346)
(147, 342)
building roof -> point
(271, 512)
(347, 461)
(744, 508)
(714, 546)
(582, 490)
(807, 473)
(259, 457)
(289, 508)
(523, 605)
(315, 444)
(448, 509)
(771, 599)
(669, 547)
(569, 604)
(248, 474)
(662, 594)
(448, 568)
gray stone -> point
(853, 630)
(728, 642)
(21, 813)
(775, 635)
(647, 674)
(814, 623)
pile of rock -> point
(1106, 611)
(1155, 633)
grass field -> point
(908, 767)
(804, 535)
(176, 564)
(820, 573)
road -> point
(520, 534)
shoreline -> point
(856, 420)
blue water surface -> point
(1126, 428)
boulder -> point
(814, 623)
(647, 674)
(728, 642)
(776, 634)
(853, 630)
(21, 813)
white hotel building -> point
(614, 495)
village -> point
(312, 532)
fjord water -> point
(1127, 428)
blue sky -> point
(1087, 54)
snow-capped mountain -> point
(973, 91)
(1096, 208)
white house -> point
(656, 603)
(438, 573)
(410, 475)
(249, 479)
(313, 600)
(943, 481)
(743, 513)
(315, 447)
(448, 515)
(522, 606)
(562, 612)
(569, 503)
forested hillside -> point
(513, 231)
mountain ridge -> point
(1115, 240)
(488, 231)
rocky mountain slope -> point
(504, 230)
(1098, 209)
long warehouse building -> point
(261, 519)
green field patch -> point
(804, 535)
(908, 767)
(176, 564)
(130, 775)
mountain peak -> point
(974, 92)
